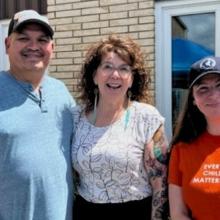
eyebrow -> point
(204, 82)
(108, 62)
(41, 35)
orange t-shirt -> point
(196, 168)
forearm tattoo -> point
(156, 166)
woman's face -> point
(207, 96)
(113, 78)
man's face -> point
(29, 51)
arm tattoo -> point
(156, 166)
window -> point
(4, 64)
(192, 39)
(186, 31)
(9, 7)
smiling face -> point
(113, 78)
(29, 51)
(207, 96)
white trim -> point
(4, 64)
(163, 14)
(217, 32)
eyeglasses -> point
(109, 68)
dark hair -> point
(127, 50)
(191, 122)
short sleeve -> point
(175, 174)
(152, 123)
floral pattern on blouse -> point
(109, 161)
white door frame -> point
(4, 64)
(163, 14)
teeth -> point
(113, 86)
(36, 54)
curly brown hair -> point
(129, 51)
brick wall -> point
(79, 23)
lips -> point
(113, 86)
(212, 104)
(32, 53)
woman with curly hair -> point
(119, 147)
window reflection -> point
(192, 39)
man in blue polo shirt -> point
(35, 127)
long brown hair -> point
(191, 122)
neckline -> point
(38, 98)
(124, 118)
(26, 85)
(209, 135)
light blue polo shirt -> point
(35, 163)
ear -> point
(7, 44)
(53, 45)
(94, 78)
(194, 102)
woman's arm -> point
(155, 158)
(178, 209)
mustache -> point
(30, 51)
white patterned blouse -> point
(109, 161)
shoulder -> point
(57, 89)
(146, 119)
(181, 148)
(53, 82)
(4, 76)
(145, 108)
(56, 86)
(6, 82)
(147, 111)
(77, 112)
(180, 155)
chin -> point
(36, 69)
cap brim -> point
(46, 26)
(203, 74)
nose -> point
(115, 73)
(213, 91)
(33, 44)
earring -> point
(96, 91)
(129, 94)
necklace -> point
(126, 117)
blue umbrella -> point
(184, 54)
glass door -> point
(192, 39)
(186, 30)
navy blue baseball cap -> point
(203, 67)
